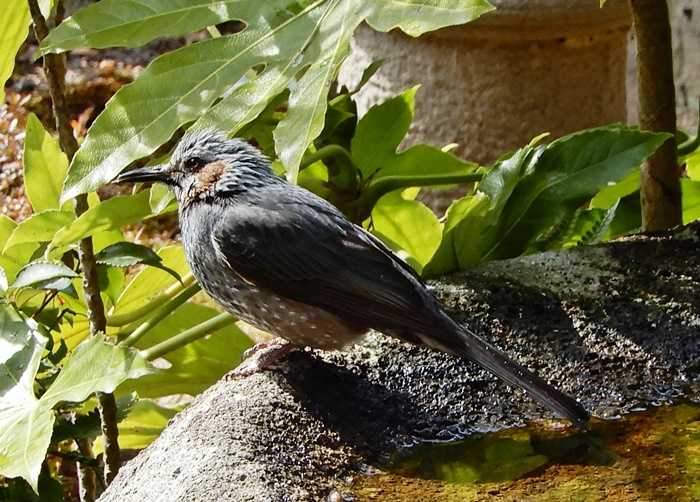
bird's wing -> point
(307, 251)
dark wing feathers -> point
(307, 251)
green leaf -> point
(142, 425)
(45, 167)
(569, 172)
(132, 23)
(195, 366)
(161, 199)
(691, 200)
(583, 226)
(408, 224)
(609, 195)
(380, 131)
(25, 426)
(471, 222)
(13, 259)
(693, 165)
(95, 365)
(41, 273)
(39, 227)
(313, 40)
(367, 74)
(416, 17)
(127, 254)
(461, 245)
(26, 423)
(107, 215)
(14, 25)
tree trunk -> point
(660, 180)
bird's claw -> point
(260, 357)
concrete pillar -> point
(530, 66)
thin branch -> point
(387, 184)
(158, 300)
(187, 336)
(55, 70)
(660, 180)
(159, 315)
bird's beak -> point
(148, 173)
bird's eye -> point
(193, 163)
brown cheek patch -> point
(206, 179)
(210, 174)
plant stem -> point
(660, 175)
(160, 314)
(387, 184)
(55, 70)
(187, 336)
(158, 300)
(325, 152)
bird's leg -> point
(261, 356)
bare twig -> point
(55, 70)
(660, 181)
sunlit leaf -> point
(132, 23)
(13, 259)
(127, 254)
(39, 227)
(691, 200)
(380, 131)
(41, 272)
(14, 25)
(142, 425)
(45, 167)
(25, 425)
(408, 224)
(569, 172)
(109, 214)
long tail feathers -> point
(511, 372)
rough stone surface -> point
(618, 326)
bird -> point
(288, 262)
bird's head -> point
(200, 161)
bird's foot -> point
(260, 357)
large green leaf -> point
(45, 167)
(39, 227)
(14, 26)
(380, 131)
(144, 115)
(25, 428)
(408, 224)
(131, 23)
(569, 172)
(26, 423)
(107, 215)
